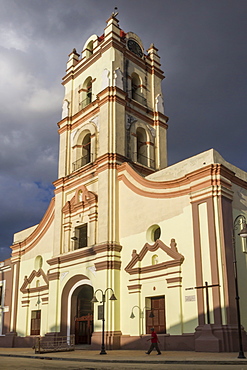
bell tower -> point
(113, 105)
(112, 113)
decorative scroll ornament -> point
(129, 120)
(95, 120)
(152, 130)
(65, 109)
(159, 104)
(118, 78)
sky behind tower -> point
(202, 45)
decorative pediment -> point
(38, 276)
(176, 259)
(82, 199)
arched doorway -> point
(82, 314)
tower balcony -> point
(144, 160)
(82, 162)
(139, 98)
(85, 102)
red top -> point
(154, 338)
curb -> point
(188, 362)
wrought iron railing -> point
(81, 162)
(146, 161)
(55, 344)
(85, 102)
(138, 97)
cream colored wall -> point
(188, 165)
(57, 237)
(161, 148)
(62, 162)
(119, 116)
(42, 248)
(23, 234)
(137, 214)
(205, 252)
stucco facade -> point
(121, 219)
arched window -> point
(89, 49)
(86, 97)
(89, 91)
(38, 262)
(155, 259)
(83, 148)
(86, 149)
(141, 146)
(136, 93)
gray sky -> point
(202, 44)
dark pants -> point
(152, 346)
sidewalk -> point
(122, 356)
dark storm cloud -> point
(202, 44)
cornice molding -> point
(84, 253)
(30, 242)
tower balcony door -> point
(82, 314)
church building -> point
(126, 237)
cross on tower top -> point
(115, 12)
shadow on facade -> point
(206, 338)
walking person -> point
(154, 343)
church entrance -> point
(83, 329)
(82, 314)
(155, 318)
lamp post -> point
(141, 312)
(94, 300)
(243, 233)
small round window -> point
(153, 233)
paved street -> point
(84, 358)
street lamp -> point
(94, 300)
(141, 312)
(243, 233)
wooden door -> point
(35, 322)
(83, 329)
(158, 321)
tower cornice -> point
(152, 67)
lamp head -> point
(151, 315)
(74, 238)
(94, 300)
(113, 298)
(132, 316)
(243, 232)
